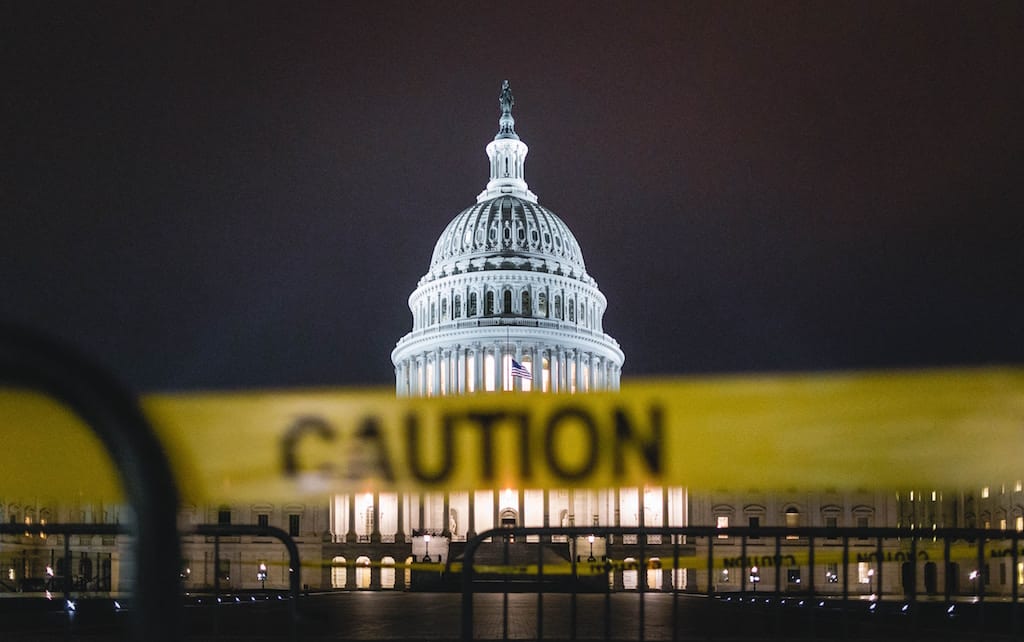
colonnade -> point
(484, 367)
(393, 517)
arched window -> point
(444, 309)
(489, 303)
(527, 305)
(542, 304)
(433, 313)
(572, 310)
(472, 305)
(558, 307)
(363, 572)
(457, 306)
(630, 574)
(583, 314)
(387, 573)
(507, 302)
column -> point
(437, 372)
(446, 516)
(555, 369)
(421, 511)
(579, 371)
(375, 533)
(471, 531)
(350, 536)
(546, 537)
(499, 367)
(593, 361)
(460, 370)
(537, 369)
(400, 535)
(478, 367)
(521, 509)
(421, 383)
(497, 508)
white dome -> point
(507, 232)
(507, 304)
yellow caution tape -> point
(47, 453)
(885, 430)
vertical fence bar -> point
(879, 564)
(979, 584)
(608, 596)
(540, 587)
(778, 568)
(572, 596)
(504, 592)
(676, 574)
(948, 568)
(642, 583)
(1015, 581)
(711, 564)
(846, 586)
(67, 569)
(810, 584)
(468, 571)
(745, 567)
(216, 585)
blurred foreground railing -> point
(890, 582)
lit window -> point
(984, 493)
(1020, 523)
(1017, 486)
(723, 522)
(864, 573)
(792, 520)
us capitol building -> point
(507, 307)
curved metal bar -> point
(295, 564)
(30, 360)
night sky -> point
(225, 195)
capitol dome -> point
(506, 304)
(507, 232)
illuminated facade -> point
(507, 294)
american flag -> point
(518, 370)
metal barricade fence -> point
(741, 583)
(723, 568)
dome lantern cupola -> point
(507, 155)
